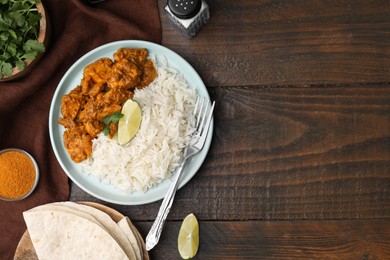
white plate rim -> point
(88, 183)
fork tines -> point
(203, 113)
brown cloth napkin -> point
(76, 28)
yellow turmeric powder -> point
(17, 174)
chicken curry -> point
(105, 86)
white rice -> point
(156, 150)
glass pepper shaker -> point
(188, 15)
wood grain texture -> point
(290, 153)
(281, 240)
(299, 165)
(298, 42)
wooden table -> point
(299, 165)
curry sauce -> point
(105, 86)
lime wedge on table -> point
(188, 240)
(129, 124)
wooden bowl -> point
(43, 37)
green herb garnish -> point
(115, 117)
(19, 29)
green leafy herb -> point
(115, 117)
(19, 29)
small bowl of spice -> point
(19, 174)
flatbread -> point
(125, 225)
(61, 235)
(58, 207)
(117, 217)
(106, 221)
(103, 216)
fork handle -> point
(155, 232)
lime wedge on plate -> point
(188, 240)
(130, 122)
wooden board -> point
(330, 239)
(25, 249)
(277, 43)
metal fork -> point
(203, 114)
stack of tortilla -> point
(69, 230)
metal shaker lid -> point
(185, 9)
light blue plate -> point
(91, 184)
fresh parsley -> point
(115, 117)
(19, 29)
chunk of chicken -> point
(114, 96)
(70, 106)
(148, 75)
(108, 111)
(89, 111)
(67, 123)
(94, 127)
(78, 143)
(125, 74)
(90, 88)
(98, 71)
(138, 56)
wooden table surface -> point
(299, 165)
